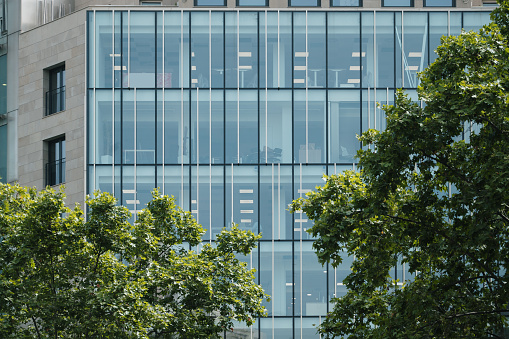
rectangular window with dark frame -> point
(397, 3)
(252, 3)
(346, 3)
(55, 167)
(304, 3)
(55, 96)
(212, 3)
(439, 3)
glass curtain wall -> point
(237, 113)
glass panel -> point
(310, 282)
(217, 38)
(276, 328)
(176, 183)
(275, 117)
(241, 126)
(210, 3)
(129, 191)
(200, 49)
(128, 149)
(103, 129)
(176, 54)
(336, 276)
(162, 79)
(275, 196)
(176, 127)
(145, 127)
(306, 179)
(3, 153)
(300, 55)
(415, 54)
(475, 20)
(455, 23)
(367, 54)
(276, 278)
(384, 75)
(118, 128)
(240, 330)
(3, 84)
(207, 192)
(344, 125)
(437, 29)
(103, 178)
(398, 3)
(242, 197)
(285, 50)
(346, 3)
(252, 3)
(343, 49)
(142, 50)
(316, 48)
(103, 49)
(307, 328)
(145, 183)
(231, 49)
(248, 50)
(117, 46)
(372, 114)
(439, 3)
(207, 121)
(90, 47)
(304, 3)
(309, 126)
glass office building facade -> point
(238, 112)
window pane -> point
(242, 197)
(310, 280)
(437, 29)
(304, 3)
(103, 128)
(276, 280)
(176, 45)
(145, 127)
(344, 125)
(343, 48)
(103, 49)
(275, 195)
(252, 3)
(3, 153)
(210, 3)
(176, 127)
(142, 41)
(309, 126)
(200, 50)
(346, 3)
(416, 47)
(275, 116)
(439, 3)
(398, 3)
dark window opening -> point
(55, 168)
(55, 96)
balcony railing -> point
(55, 172)
(55, 100)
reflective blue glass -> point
(142, 50)
(241, 192)
(343, 41)
(275, 195)
(104, 52)
(344, 125)
(210, 3)
(437, 28)
(304, 3)
(3, 153)
(439, 3)
(397, 3)
(415, 42)
(176, 53)
(346, 3)
(252, 3)
(275, 117)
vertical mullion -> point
(307, 84)
(163, 105)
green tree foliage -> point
(62, 276)
(432, 193)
